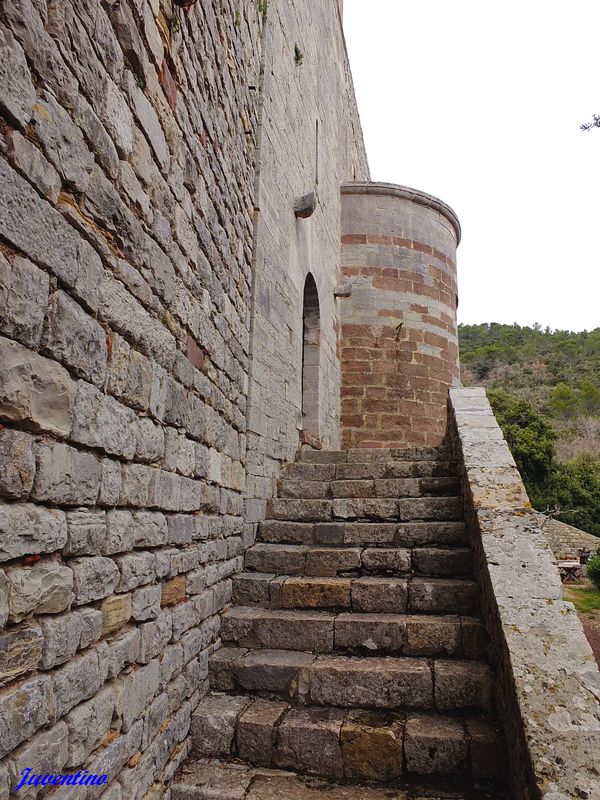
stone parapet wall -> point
(548, 689)
(400, 345)
(127, 167)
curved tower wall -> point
(399, 336)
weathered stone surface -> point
(34, 227)
(20, 652)
(374, 682)
(383, 595)
(87, 726)
(309, 739)
(93, 578)
(136, 569)
(116, 612)
(24, 709)
(44, 588)
(256, 731)
(17, 93)
(91, 626)
(101, 421)
(135, 691)
(439, 595)
(23, 296)
(65, 475)
(294, 630)
(173, 591)
(372, 747)
(62, 142)
(148, 120)
(466, 684)
(380, 559)
(27, 529)
(213, 724)
(124, 649)
(154, 636)
(80, 678)
(86, 532)
(34, 390)
(311, 593)
(431, 636)
(75, 338)
(145, 603)
(434, 745)
(4, 609)
(383, 632)
(46, 752)
(62, 636)
(119, 532)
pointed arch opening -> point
(311, 351)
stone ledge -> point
(549, 683)
(406, 193)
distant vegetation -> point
(544, 387)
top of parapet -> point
(405, 192)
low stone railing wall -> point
(548, 687)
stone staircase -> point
(354, 657)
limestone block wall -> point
(127, 167)
(399, 337)
(310, 140)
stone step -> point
(363, 534)
(394, 683)
(370, 455)
(210, 779)
(337, 743)
(367, 508)
(366, 594)
(326, 632)
(380, 487)
(332, 561)
(369, 470)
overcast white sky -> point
(479, 103)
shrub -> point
(593, 570)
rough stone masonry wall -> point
(127, 172)
(298, 98)
(399, 336)
(548, 681)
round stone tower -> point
(399, 337)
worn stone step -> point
(326, 632)
(333, 561)
(211, 779)
(365, 534)
(367, 508)
(335, 742)
(379, 487)
(370, 455)
(368, 470)
(372, 594)
(394, 683)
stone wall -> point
(310, 140)
(565, 540)
(127, 169)
(548, 692)
(400, 343)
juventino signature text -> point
(48, 779)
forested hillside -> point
(544, 387)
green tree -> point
(528, 434)
(563, 401)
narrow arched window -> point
(311, 336)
